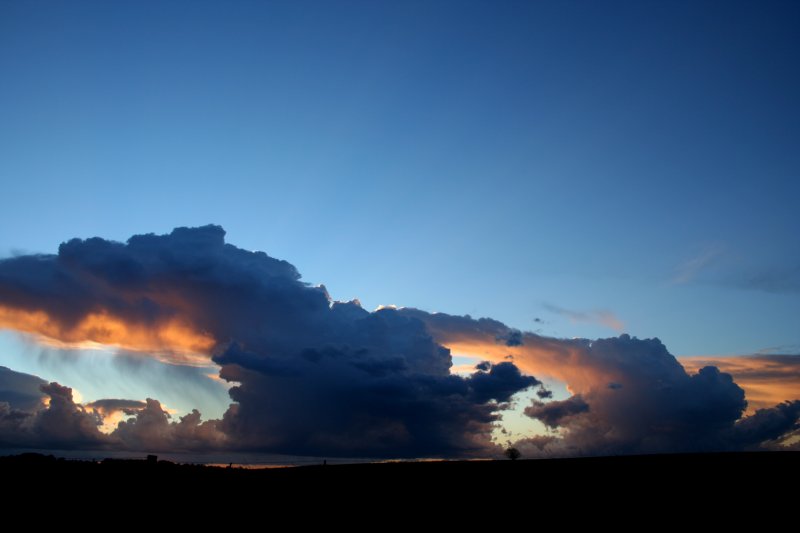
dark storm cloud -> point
(317, 377)
(312, 376)
(368, 402)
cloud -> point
(114, 411)
(128, 295)
(538, 445)
(153, 429)
(665, 412)
(390, 395)
(312, 376)
(21, 391)
(63, 424)
(556, 413)
(599, 316)
(766, 379)
(629, 395)
(537, 355)
(512, 338)
(499, 383)
(691, 268)
(175, 296)
(769, 426)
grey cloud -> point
(153, 429)
(544, 393)
(63, 424)
(512, 338)
(556, 413)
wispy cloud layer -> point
(603, 317)
(691, 268)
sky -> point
(571, 170)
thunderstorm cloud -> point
(311, 375)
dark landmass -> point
(686, 479)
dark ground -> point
(738, 481)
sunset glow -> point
(171, 340)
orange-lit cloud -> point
(767, 379)
(542, 357)
(171, 340)
(561, 364)
(628, 394)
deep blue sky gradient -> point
(470, 157)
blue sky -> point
(629, 159)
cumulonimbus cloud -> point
(312, 376)
(320, 377)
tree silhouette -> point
(512, 453)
